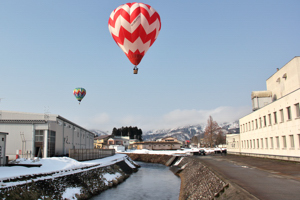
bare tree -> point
(221, 138)
(195, 140)
(211, 131)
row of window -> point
(271, 119)
(71, 127)
(39, 135)
(271, 142)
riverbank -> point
(75, 180)
(198, 181)
(82, 180)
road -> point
(263, 178)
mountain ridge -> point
(181, 133)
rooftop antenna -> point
(46, 113)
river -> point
(151, 182)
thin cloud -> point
(173, 119)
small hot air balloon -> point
(79, 93)
(134, 27)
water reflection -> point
(152, 181)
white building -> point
(273, 128)
(43, 135)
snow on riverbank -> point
(54, 164)
(186, 151)
(66, 165)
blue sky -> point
(207, 59)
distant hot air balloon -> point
(79, 93)
(134, 27)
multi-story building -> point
(152, 145)
(43, 135)
(273, 128)
(100, 142)
(119, 140)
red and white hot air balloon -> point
(134, 27)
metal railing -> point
(90, 154)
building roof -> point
(153, 142)
(102, 137)
(22, 121)
(14, 117)
(296, 57)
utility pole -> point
(23, 143)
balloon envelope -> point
(134, 27)
(79, 93)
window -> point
(262, 143)
(292, 141)
(51, 143)
(266, 140)
(249, 126)
(256, 123)
(253, 144)
(277, 142)
(281, 115)
(284, 141)
(248, 144)
(265, 121)
(298, 140)
(39, 135)
(258, 143)
(270, 121)
(297, 108)
(272, 144)
(289, 114)
(252, 125)
(260, 123)
(275, 117)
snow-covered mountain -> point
(187, 132)
(181, 133)
(99, 132)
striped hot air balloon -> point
(79, 93)
(134, 27)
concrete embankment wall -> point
(91, 182)
(197, 180)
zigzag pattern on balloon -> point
(130, 18)
(79, 92)
(147, 28)
(132, 37)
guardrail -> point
(90, 154)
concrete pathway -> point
(263, 178)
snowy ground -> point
(66, 165)
(186, 151)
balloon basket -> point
(135, 71)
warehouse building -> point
(42, 135)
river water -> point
(151, 182)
